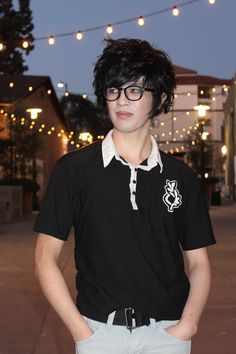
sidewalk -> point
(29, 326)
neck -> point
(134, 147)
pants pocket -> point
(162, 325)
(96, 327)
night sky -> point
(202, 37)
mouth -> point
(123, 114)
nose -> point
(122, 100)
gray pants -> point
(112, 339)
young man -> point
(135, 211)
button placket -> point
(133, 186)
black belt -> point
(130, 318)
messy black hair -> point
(126, 61)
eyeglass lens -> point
(133, 93)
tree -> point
(18, 148)
(84, 116)
(200, 152)
(15, 27)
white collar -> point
(109, 151)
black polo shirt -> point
(129, 230)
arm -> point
(54, 286)
(199, 274)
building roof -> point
(181, 71)
(185, 76)
(20, 90)
(201, 80)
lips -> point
(123, 114)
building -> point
(29, 103)
(230, 140)
(198, 105)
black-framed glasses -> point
(132, 92)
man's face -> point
(130, 116)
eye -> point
(135, 89)
(112, 91)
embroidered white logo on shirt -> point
(172, 198)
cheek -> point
(146, 106)
(110, 107)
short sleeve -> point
(56, 214)
(197, 228)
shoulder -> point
(75, 164)
(176, 170)
(86, 153)
(177, 167)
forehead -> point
(138, 82)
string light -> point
(11, 84)
(109, 29)
(49, 92)
(30, 88)
(175, 11)
(141, 21)
(79, 34)
(51, 40)
(154, 13)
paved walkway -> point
(29, 326)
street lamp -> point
(86, 137)
(62, 84)
(201, 110)
(34, 112)
(224, 150)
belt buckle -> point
(129, 318)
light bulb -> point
(79, 35)
(175, 11)
(109, 29)
(51, 40)
(141, 21)
(25, 44)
